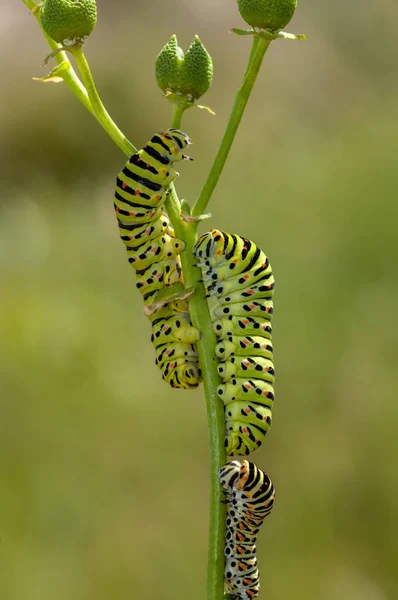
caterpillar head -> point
(176, 141)
(229, 473)
(210, 245)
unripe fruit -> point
(187, 75)
(69, 20)
(267, 14)
(168, 65)
(197, 70)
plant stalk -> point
(96, 103)
(259, 48)
(69, 76)
(200, 316)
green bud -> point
(197, 70)
(190, 75)
(168, 65)
(267, 14)
(69, 21)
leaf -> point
(243, 31)
(56, 75)
(166, 295)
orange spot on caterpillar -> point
(124, 185)
(132, 214)
(117, 209)
(137, 192)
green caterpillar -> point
(153, 250)
(239, 284)
(250, 498)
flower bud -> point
(197, 70)
(187, 75)
(69, 20)
(267, 14)
(168, 65)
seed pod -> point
(187, 75)
(197, 70)
(69, 21)
(168, 65)
(267, 14)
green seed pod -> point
(69, 20)
(168, 65)
(197, 70)
(267, 14)
(190, 75)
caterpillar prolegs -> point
(239, 284)
(153, 250)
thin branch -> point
(259, 48)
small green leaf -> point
(243, 31)
(56, 75)
(166, 295)
(185, 207)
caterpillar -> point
(153, 251)
(239, 285)
(250, 498)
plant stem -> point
(200, 317)
(178, 111)
(69, 76)
(98, 108)
(259, 48)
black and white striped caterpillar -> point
(250, 497)
(239, 284)
(153, 250)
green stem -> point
(98, 108)
(178, 110)
(200, 316)
(69, 76)
(259, 48)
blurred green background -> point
(104, 475)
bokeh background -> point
(104, 473)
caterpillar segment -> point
(154, 252)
